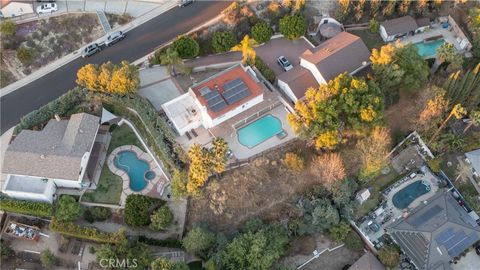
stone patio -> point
(154, 186)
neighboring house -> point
(367, 262)
(362, 195)
(61, 155)
(215, 100)
(343, 53)
(435, 233)
(473, 158)
(390, 30)
(10, 9)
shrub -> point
(186, 47)
(374, 26)
(47, 258)
(353, 241)
(97, 213)
(161, 218)
(293, 27)
(265, 70)
(68, 209)
(294, 162)
(38, 209)
(25, 55)
(198, 241)
(71, 229)
(169, 242)
(261, 32)
(435, 164)
(137, 209)
(8, 28)
(223, 41)
(179, 184)
(340, 231)
(389, 256)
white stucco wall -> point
(67, 183)
(46, 196)
(313, 69)
(287, 90)
(384, 35)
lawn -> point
(376, 186)
(123, 135)
(371, 40)
(108, 190)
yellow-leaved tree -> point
(116, 79)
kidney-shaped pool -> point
(138, 170)
(403, 198)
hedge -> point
(265, 70)
(38, 209)
(169, 242)
(71, 229)
(61, 106)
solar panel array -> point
(421, 219)
(235, 90)
(213, 98)
(456, 242)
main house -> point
(215, 100)
(343, 53)
(64, 154)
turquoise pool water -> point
(408, 194)
(259, 131)
(136, 169)
(429, 49)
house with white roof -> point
(10, 9)
(64, 154)
(343, 53)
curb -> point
(74, 55)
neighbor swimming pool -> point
(429, 49)
(138, 170)
(403, 198)
(259, 131)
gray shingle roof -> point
(400, 25)
(435, 232)
(54, 152)
(474, 157)
(343, 53)
(367, 262)
(299, 79)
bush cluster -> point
(265, 70)
(223, 41)
(261, 32)
(186, 46)
(38, 209)
(71, 229)
(97, 213)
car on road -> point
(183, 3)
(90, 50)
(284, 63)
(114, 38)
(47, 8)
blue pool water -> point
(134, 167)
(429, 49)
(408, 194)
(259, 131)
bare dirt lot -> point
(264, 188)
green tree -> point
(223, 41)
(261, 32)
(474, 120)
(458, 111)
(179, 183)
(246, 47)
(464, 88)
(137, 210)
(447, 53)
(100, 213)
(404, 7)
(374, 26)
(8, 28)
(161, 218)
(399, 66)
(47, 258)
(389, 256)
(293, 26)
(68, 209)
(173, 61)
(186, 46)
(162, 263)
(198, 241)
(346, 101)
(353, 241)
(25, 55)
(340, 231)
(126, 250)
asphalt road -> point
(138, 43)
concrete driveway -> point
(292, 50)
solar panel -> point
(453, 241)
(235, 90)
(444, 235)
(421, 219)
(463, 244)
(232, 83)
(205, 90)
(217, 107)
(211, 95)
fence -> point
(254, 116)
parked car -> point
(90, 50)
(114, 38)
(47, 8)
(183, 3)
(477, 249)
(284, 63)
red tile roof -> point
(217, 82)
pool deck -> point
(394, 212)
(154, 186)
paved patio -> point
(154, 186)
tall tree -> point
(329, 169)
(464, 88)
(389, 8)
(359, 9)
(199, 241)
(219, 155)
(198, 171)
(293, 26)
(458, 111)
(434, 104)
(172, 60)
(246, 47)
(474, 120)
(68, 209)
(447, 53)
(375, 7)
(421, 6)
(374, 150)
(404, 7)
(343, 9)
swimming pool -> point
(429, 49)
(259, 131)
(138, 170)
(403, 198)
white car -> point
(47, 8)
(114, 38)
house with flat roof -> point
(436, 232)
(10, 9)
(343, 53)
(64, 154)
(215, 100)
(392, 29)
